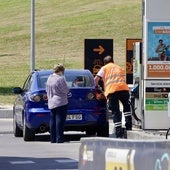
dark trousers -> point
(57, 121)
(123, 97)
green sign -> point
(156, 104)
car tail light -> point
(45, 97)
(39, 97)
(35, 98)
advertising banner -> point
(156, 96)
(156, 104)
(129, 59)
(156, 99)
(158, 50)
(95, 50)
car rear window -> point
(72, 80)
(43, 81)
(78, 80)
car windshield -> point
(73, 79)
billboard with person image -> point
(158, 49)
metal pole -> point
(32, 49)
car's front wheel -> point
(28, 134)
(17, 131)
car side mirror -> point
(17, 90)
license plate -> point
(74, 117)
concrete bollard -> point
(119, 154)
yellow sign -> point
(100, 50)
(119, 159)
(97, 65)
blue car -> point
(86, 109)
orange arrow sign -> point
(100, 50)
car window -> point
(28, 82)
(78, 80)
(43, 81)
(73, 79)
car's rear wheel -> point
(91, 131)
(103, 130)
(28, 134)
(17, 131)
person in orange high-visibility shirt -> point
(116, 90)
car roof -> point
(79, 71)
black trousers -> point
(123, 97)
(57, 122)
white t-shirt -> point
(101, 73)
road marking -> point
(66, 161)
(62, 169)
(21, 162)
(67, 169)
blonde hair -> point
(58, 68)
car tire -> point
(91, 131)
(16, 130)
(28, 134)
(103, 130)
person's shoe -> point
(119, 136)
(113, 135)
(129, 128)
(124, 131)
(60, 142)
(119, 133)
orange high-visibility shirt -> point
(113, 78)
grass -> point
(61, 27)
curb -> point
(139, 134)
(6, 113)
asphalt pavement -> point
(15, 154)
(6, 126)
(6, 115)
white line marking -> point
(21, 162)
(67, 169)
(62, 169)
(66, 161)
